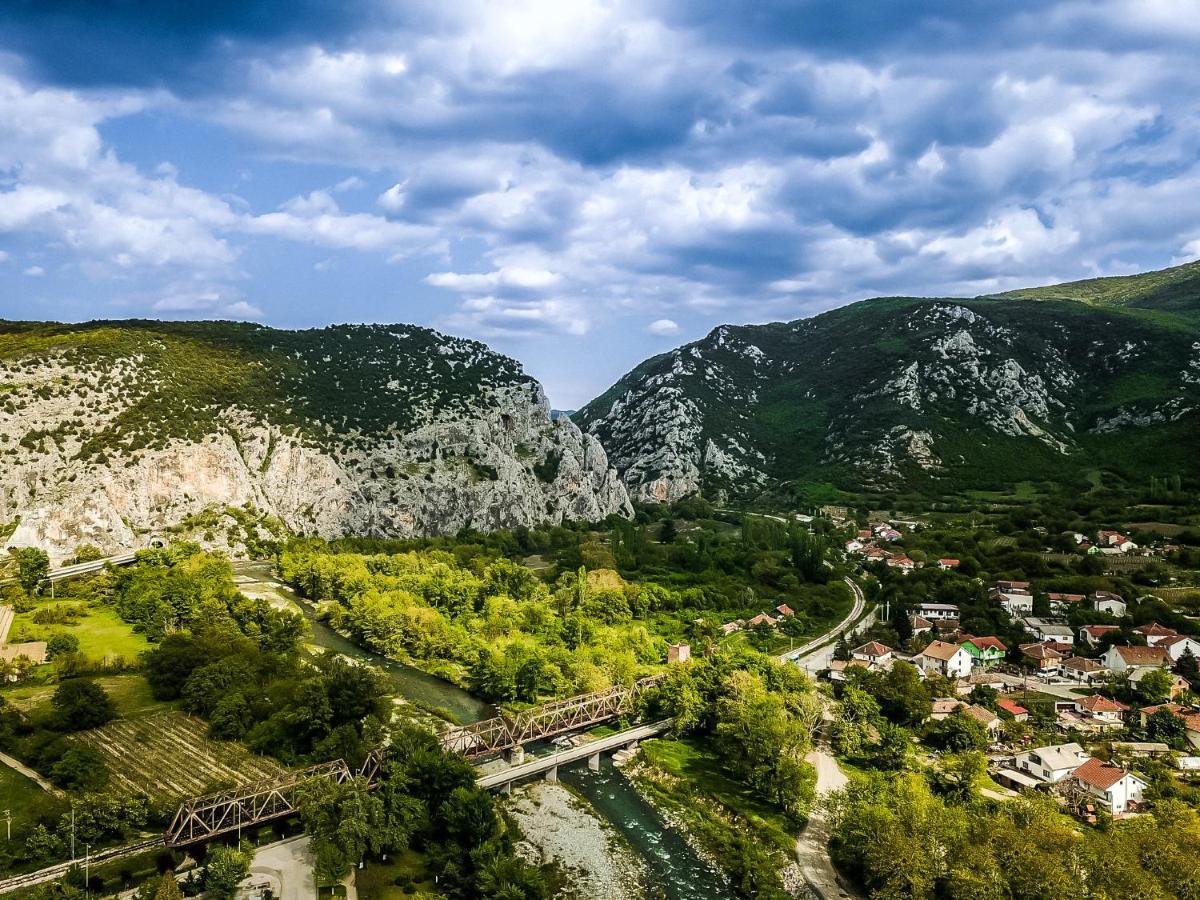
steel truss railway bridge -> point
(253, 804)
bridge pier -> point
(506, 788)
(514, 756)
(594, 762)
(552, 775)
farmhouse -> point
(946, 659)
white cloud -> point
(206, 302)
(663, 327)
(35, 271)
(509, 276)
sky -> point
(583, 184)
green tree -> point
(225, 868)
(79, 705)
(61, 643)
(167, 888)
(893, 749)
(1155, 687)
(33, 565)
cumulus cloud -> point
(35, 271)
(663, 327)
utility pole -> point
(87, 870)
(8, 822)
(72, 831)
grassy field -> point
(102, 635)
(169, 755)
(25, 800)
(130, 693)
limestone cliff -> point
(111, 433)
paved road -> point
(815, 655)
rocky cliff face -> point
(914, 393)
(114, 434)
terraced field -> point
(168, 755)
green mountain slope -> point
(930, 395)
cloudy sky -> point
(583, 184)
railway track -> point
(51, 873)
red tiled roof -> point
(940, 650)
(1099, 774)
(984, 643)
(948, 562)
(1040, 651)
(1156, 630)
(1066, 598)
(873, 648)
(1012, 707)
(1099, 704)
(1097, 631)
(784, 609)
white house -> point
(1118, 790)
(853, 546)
(1049, 631)
(1178, 645)
(1122, 659)
(1061, 604)
(1108, 602)
(1102, 711)
(873, 653)
(937, 611)
(1155, 634)
(946, 659)
(1091, 634)
(1014, 603)
(1051, 764)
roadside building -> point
(873, 654)
(1083, 670)
(985, 651)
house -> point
(1014, 603)
(1042, 657)
(985, 651)
(1048, 631)
(874, 555)
(937, 611)
(943, 707)
(1108, 602)
(1117, 790)
(947, 564)
(730, 627)
(903, 563)
(1103, 712)
(1014, 709)
(1083, 670)
(989, 720)
(946, 659)
(1122, 659)
(1013, 587)
(919, 624)
(1051, 764)
(679, 653)
(839, 667)
(784, 610)
(1061, 604)
(873, 653)
(1179, 684)
(1114, 540)
(854, 546)
(1180, 644)
(1091, 634)
(761, 619)
(1155, 634)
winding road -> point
(817, 644)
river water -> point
(673, 870)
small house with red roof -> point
(784, 610)
(947, 564)
(1155, 634)
(1122, 659)
(1014, 709)
(1091, 634)
(1102, 711)
(1118, 790)
(873, 653)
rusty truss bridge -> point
(258, 802)
(546, 721)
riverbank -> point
(560, 827)
(746, 840)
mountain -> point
(1081, 380)
(111, 432)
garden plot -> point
(169, 756)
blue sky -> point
(584, 184)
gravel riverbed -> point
(559, 826)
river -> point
(673, 870)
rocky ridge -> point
(417, 434)
(922, 393)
